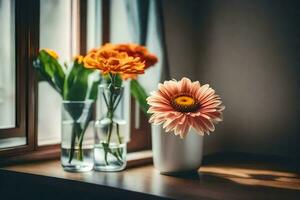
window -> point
(8, 76)
(31, 126)
(94, 23)
(8, 71)
(17, 99)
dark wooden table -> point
(216, 180)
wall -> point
(180, 36)
(249, 52)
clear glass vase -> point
(77, 136)
(110, 144)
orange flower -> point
(128, 76)
(135, 50)
(111, 61)
(79, 59)
(51, 52)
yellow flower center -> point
(185, 103)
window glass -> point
(8, 77)
(7, 68)
(94, 23)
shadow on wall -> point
(250, 52)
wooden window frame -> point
(21, 59)
(27, 47)
(25, 78)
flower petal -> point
(185, 85)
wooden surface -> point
(237, 180)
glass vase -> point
(77, 136)
(110, 128)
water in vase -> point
(77, 163)
(110, 147)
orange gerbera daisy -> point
(136, 51)
(183, 105)
(128, 76)
(111, 61)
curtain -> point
(146, 23)
(147, 28)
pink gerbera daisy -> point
(181, 105)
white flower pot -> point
(171, 154)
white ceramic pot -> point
(171, 154)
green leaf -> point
(76, 83)
(139, 94)
(77, 87)
(50, 70)
(94, 90)
(74, 86)
(118, 81)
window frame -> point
(27, 47)
(18, 130)
(26, 40)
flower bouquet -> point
(78, 90)
(116, 63)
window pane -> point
(8, 71)
(58, 25)
(94, 23)
(94, 29)
(119, 25)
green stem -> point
(75, 132)
(78, 132)
(112, 104)
(73, 138)
(118, 156)
(110, 116)
(81, 136)
(105, 99)
(116, 106)
(120, 151)
(118, 133)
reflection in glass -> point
(12, 142)
(7, 67)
